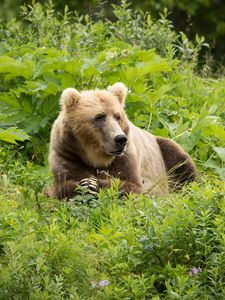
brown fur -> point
(179, 165)
(81, 146)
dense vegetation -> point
(136, 247)
(206, 17)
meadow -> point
(133, 247)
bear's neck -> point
(96, 159)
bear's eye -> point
(117, 117)
(100, 117)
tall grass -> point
(137, 247)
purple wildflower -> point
(195, 271)
(103, 283)
(99, 284)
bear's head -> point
(97, 121)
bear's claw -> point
(90, 183)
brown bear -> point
(92, 141)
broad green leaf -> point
(221, 152)
(67, 80)
(215, 130)
(9, 99)
(204, 122)
(15, 68)
(146, 55)
(13, 134)
(144, 68)
(220, 172)
(158, 93)
(189, 140)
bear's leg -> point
(67, 189)
(130, 187)
(126, 187)
(179, 165)
(62, 190)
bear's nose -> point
(120, 140)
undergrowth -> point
(138, 247)
(45, 52)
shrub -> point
(54, 52)
(134, 247)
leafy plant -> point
(113, 247)
(137, 247)
(13, 134)
(167, 97)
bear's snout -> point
(120, 141)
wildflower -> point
(103, 283)
(195, 271)
(99, 284)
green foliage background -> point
(140, 246)
(48, 53)
(205, 17)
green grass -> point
(144, 247)
(136, 247)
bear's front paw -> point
(90, 183)
(101, 174)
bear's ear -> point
(119, 90)
(69, 97)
